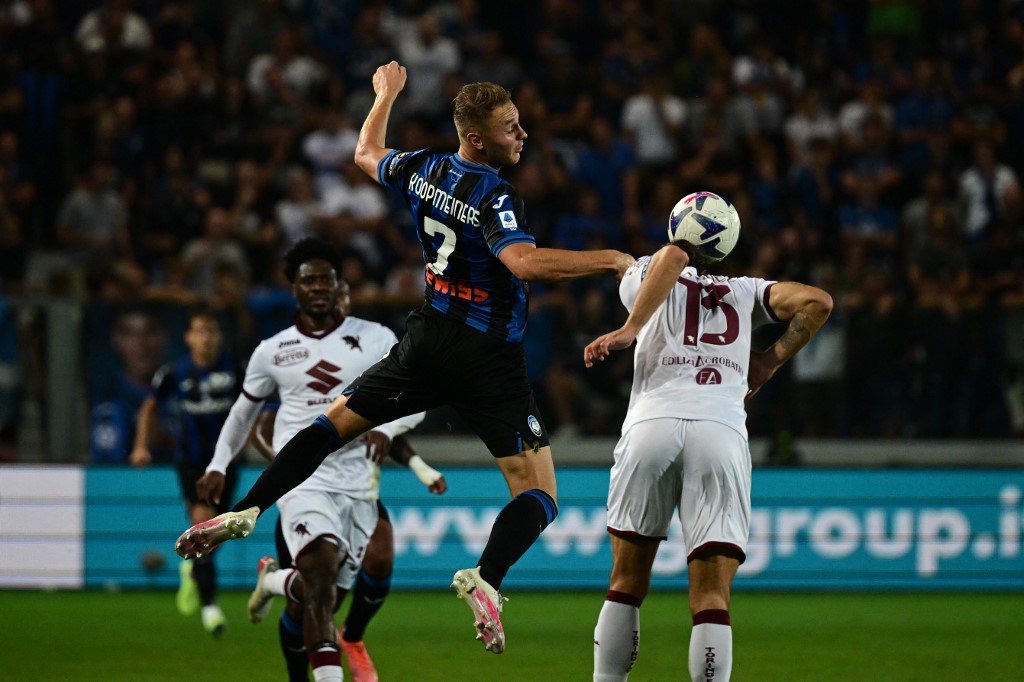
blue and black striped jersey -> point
(202, 398)
(465, 215)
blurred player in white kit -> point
(327, 521)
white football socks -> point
(616, 641)
(710, 652)
(279, 581)
(327, 673)
(326, 663)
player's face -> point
(204, 339)
(140, 345)
(504, 137)
(316, 288)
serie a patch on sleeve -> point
(508, 220)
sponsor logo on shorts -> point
(302, 528)
(290, 357)
(534, 424)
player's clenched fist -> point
(389, 79)
(623, 263)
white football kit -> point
(684, 439)
(307, 371)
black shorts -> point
(443, 362)
(190, 472)
(284, 556)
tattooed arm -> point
(805, 308)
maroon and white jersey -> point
(692, 356)
(308, 372)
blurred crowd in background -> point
(156, 154)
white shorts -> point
(347, 521)
(702, 467)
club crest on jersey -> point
(534, 424)
(353, 342)
(508, 220)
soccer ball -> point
(707, 221)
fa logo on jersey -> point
(508, 220)
(709, 376)
(353, 342)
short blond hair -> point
(474, 104)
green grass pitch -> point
(138, 636)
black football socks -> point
(367, 597)
(517, 527)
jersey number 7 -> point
(433, 227)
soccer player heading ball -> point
(684, 440)
(464, 346)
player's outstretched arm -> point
(532, 264)
(388, 81)
(403, 453)
(805, 308)
(662, 275)
(230, 440)
(140, 455)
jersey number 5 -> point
(710, 296)
(433, 227)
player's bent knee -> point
(347, 423)
(318, 558)
(635, 585)
(380, 556)
(529, 471)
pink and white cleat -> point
(261, 597)
(486, 604)
(204, 537)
